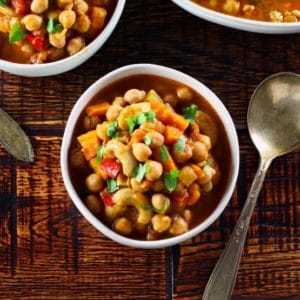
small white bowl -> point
(236, 22)
(179, 77)
(71, 62)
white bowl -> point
(174, 75)
(236, 22)
(71, 62)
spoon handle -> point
(223, 277)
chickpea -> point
(157, 139)
(67, 18)
(119, 101)
(113, 112)
(75, 45)
(39, 6)
(141, 187)
(53, 13)
(184, 94)
(82, 23)
(205, 139)
(64, 4)
(179, 226)
(171, 99)
(90, 123)
(200, 152)
(94, 183)
(123, 226)
(187, 215)
(182, 156)
(153, 126)
(80, 7)
(160, 203)
(32, 22)
(134, 96)
(93, 203)
(160, 222)
(209, 174)
(76, 158)
(27, 49)
(207, 187)
(141, 151)
(113, 212)
(58, 39)
(155, 170)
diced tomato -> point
(107, 198)
(21, 7)
(37, 42)
(111, 167)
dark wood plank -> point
(49, 251)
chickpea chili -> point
(147, 168)
(41, 31)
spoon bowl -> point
(274, 126)
(274, 115)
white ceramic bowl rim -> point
(177, 76)
(237, 22)
(82, 55)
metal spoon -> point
(274, 126)
(14, 139)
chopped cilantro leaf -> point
(16, 34)
(147, 140)
(139, 119)
(53, 26)
(100, 154)
(131, 123)
(3, 2)
(146, 207)
(180, 144)
(170, 180)
(140, 171)
(112, 129)
(189, 112)
(164, 154)
(150, 115)
(112, 185)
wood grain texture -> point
(49, 251)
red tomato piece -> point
(37, 42)
(111, 167)
(180, 199)
(21, 7)
(107, 198)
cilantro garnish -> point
(147, 140)
(3, 2)
(170, 180)
(139, 119)
(164, 154)
(140, 171)
(16, 34)
(146, 207)
(100, 153)
(189, 112)
(53, 26)
(180, 144)
(112, 129)
(112, 185)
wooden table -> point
(49, 251)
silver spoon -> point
(274, 126)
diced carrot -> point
(172, 134)
(97, 109)
(169, 117)
(137, 136)
(200, 174)
(89, 143)
(168, 164)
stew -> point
(39, 31)
(262, 10)
(149, 157)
